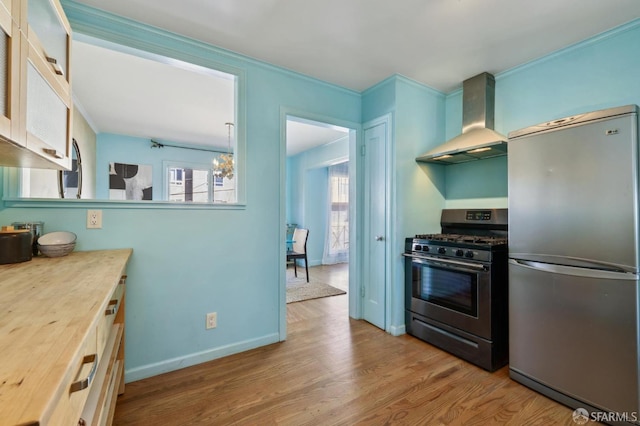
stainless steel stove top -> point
(463, 238)
(470, 234)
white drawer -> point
(75, 390)
(110, 313)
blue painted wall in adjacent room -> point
(132, 150)
(307, 192)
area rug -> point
(297, 292)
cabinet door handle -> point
(54, 64)
(123, 279)
(84, 383)
(112, 308)
(53, 152)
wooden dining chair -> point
(299, 250)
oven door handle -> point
(447, 262)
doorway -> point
(317, 197)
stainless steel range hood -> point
(478, 139)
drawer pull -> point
(54, 64)
(112, 308)
(53, 152)
(123, 279)
(84, 383)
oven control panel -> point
(478, 214)
(435, 250)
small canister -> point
(36, 229)
(15, 245)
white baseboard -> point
(173, 364)
(397, 330)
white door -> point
(374, 261)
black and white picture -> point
(130, 181)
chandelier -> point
(223, 165)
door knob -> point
(379, 238)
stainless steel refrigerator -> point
(573, 259)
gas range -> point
(456, 282)
(466, 234)
(450, 246)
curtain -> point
(336, 245)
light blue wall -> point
(315, 212)
(598, 73)
(132, 150)
(189, 262)
(379, 100)
(416, 191)
(307, 191)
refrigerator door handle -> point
(574, 271)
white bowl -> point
(57, 244)
(56, 250)
(56, 238)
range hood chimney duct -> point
(478, 139)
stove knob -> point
(417, 247)
(468, 254)
(459, 252)
(425, 248)
(442, 250)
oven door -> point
(456, 293)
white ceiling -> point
(358, 43)
(303, 135)
(149, 97)
(125, 94)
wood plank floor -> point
(333, 370)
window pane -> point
(188, 185)
(339, 215)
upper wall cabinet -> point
(39, 86)
(9, 72)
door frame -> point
(355, 206)
(390, 202)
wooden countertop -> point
(47, 308)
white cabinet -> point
(41, 48)
(62, 338)
(99, 408)
(48, 104)
(9, 71)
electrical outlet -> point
(94, 219)
(212, 320)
